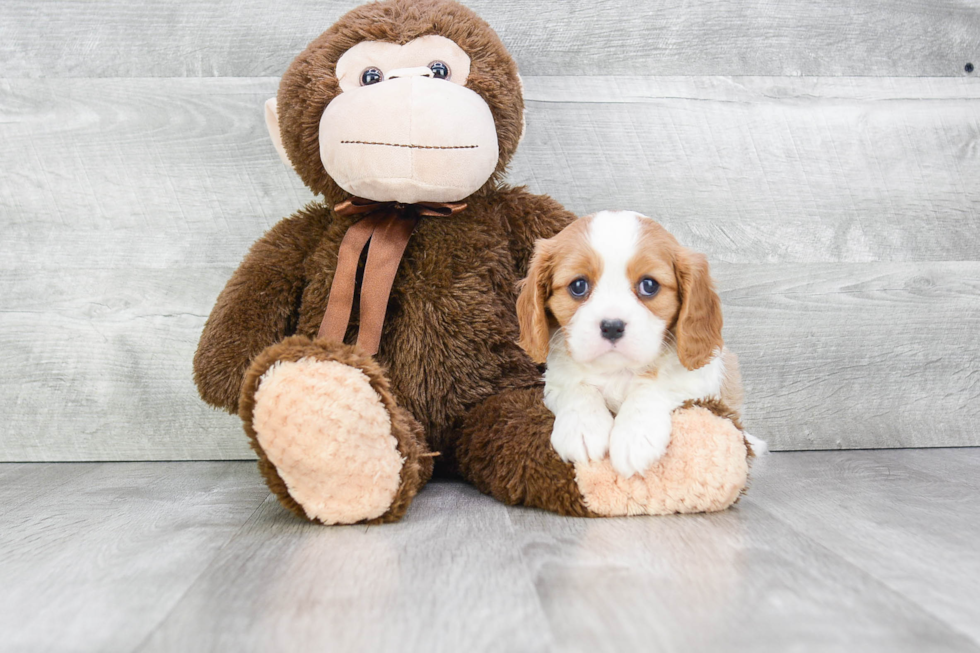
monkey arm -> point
(531, 217)
(258, 306)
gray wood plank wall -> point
(824, 155)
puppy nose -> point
(612, 330)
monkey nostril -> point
(612, 330)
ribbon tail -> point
(341, 301)
(384, 255)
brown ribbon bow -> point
(388, 226)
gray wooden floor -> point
(855, 551)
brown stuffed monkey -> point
(377, 328)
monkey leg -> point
(333, 445)
(505, 451)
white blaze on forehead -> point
(615, 238)
(614, 235)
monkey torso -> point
(450, 333)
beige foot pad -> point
(705, 469)
(329, 436)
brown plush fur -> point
(310, 83)
(449, 368)
(505, 451)
(449, 339)
(258, 305)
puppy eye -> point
(439, 70)
(578, 288)
(371, 76)
(648, 287)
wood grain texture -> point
(99, 557)
(754, 170)
(856, 355)
(138, 173)
(97, 366)
(829, 551)
(833, 356)
(741, 580)
(925, 517)
(165, 173)
(26, 483)
(113, 38)
(838, 214)
(449, 578)
(961, 465)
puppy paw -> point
(638, 440)
(705, 469)
(582, 435)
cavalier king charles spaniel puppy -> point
(629, 325)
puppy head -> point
(619, 285)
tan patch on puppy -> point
(572, 258)
(732, 392)
(556, 263)
(655, 254)
(699, 322)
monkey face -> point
(405, 128)
(401, 100)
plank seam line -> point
(529, 577)
(902, 597)
(197, 579)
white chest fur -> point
(607, 406)
(615, 382)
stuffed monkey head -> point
(403, 100)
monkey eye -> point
(578, 288)
(439, 70)
(648, 287)
(371, 76)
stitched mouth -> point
(411, 146)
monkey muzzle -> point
(409, 139)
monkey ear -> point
(272, 124)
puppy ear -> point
(699, 322)
(272, 124)
(531, 314)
